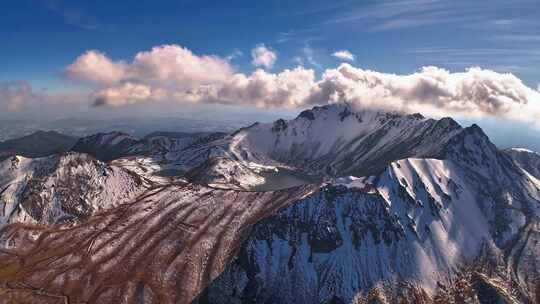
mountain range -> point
(37, 144)
(338, 205)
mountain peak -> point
(342, 111)
(338, 140)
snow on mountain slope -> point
(156, 157)
(225, 173)
(163, 144)
(526, 159)
(114, 145)
(153, 157)
(419, 223)
(163, 246)
(105, 146)
(61, 188)
(414, 210)
(338, 141)
(326, 141)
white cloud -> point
(166, 64)
(263, 56)
(173, 73)
(127, 93)
(178, 66)
(433, 91)
(344, 55)
(96, 68)
(287, 89)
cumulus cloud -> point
(179, 67)
(435, 91)
(171, 65)
(263, 56)
(96, 68)
(344, 55)
(173, 73)
(287, 89)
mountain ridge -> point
(37, 144)
(407, 209)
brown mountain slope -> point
(164, 247)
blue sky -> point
(45, 58)
(41, 37)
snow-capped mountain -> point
(526, 159)
(335, 206)
(408, 234)
(62, 188)
(324, 142)
(337, 141)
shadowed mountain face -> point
(105, 146)
(113, 145)
(335, 206)
(38, 144)
(526, 159)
